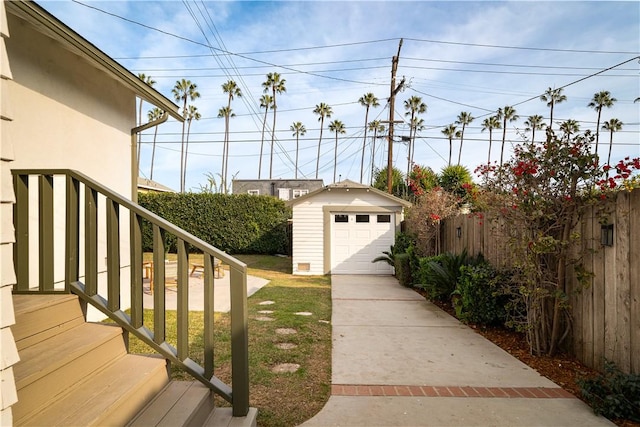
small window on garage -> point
(342, 218)
(384, 218)
(362, 218)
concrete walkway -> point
(399, 360)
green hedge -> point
(237, 223)
(403, 269)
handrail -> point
(109, 304)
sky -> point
(472, 56)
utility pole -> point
(392, 104)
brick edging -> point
(450, 391)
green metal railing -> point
(82, 197)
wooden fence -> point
(606, 314)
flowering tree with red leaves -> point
(424, 217)
(540, 194)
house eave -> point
(348, 185)
(53, 27)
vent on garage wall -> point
(304, 266)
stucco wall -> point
(8, 350)
(69, 114)
(310, 224)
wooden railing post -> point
(45, 234)
(183, 301)
(113, 255)
(90, 240)
(157, 285)
(21, 224)
(239, 341)
(135, 245)
(208, 315)
(72, 239)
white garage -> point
(342, 227)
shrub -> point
(403, 269)
(403, 242)
(613, 394)
(480, 298)
(234, 223)
(439, 275)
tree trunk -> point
(319, 143)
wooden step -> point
(51, 367)
(110, 397)
(223, 417)
(181, 403)
(39, 317)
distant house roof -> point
(349, 185)
(49, 25)
(273, 187)
(148, 185)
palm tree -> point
(232, 89)
(613, 125)
(184, 91)
(367, 100)
(552, 97)
(599, 100)
(532, 124)
(491, 123)
(414, 106)
(192, 113)
(451, 132)
(298, 129)
(227, 113)
(266, 101)
(508, 113)
(153, 115)
(464, 118)
(417, 124)
(323, 110)
(338, 127)
(569, 127)
(148, 80)
(376, 127)
(276, 84)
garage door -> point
(358, 238)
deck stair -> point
(73, 372)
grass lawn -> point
(282, 399)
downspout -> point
(134, 152)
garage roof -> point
(349, 185)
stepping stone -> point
(303, 313)
(285, 368)
(286, 331)
(265, 312)
(286, 345)
(265, 319)
(266, 302)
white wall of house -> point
(311, 222)
(66, 113)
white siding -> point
(8, 351)
(309, 238)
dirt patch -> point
(286, 345)
(285, 368)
